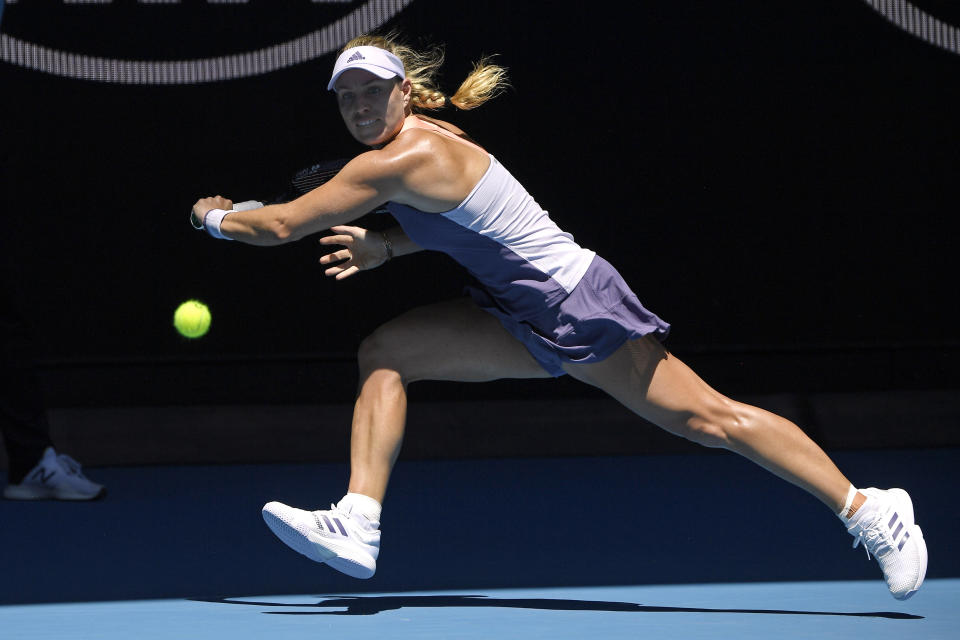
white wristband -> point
(211, 222)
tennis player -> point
(546, 307)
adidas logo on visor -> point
(356, 56)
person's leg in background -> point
(36, 471)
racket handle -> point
(246, 205)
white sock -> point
(363, 505)
(851, 494)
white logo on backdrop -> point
(919, 23)
(366, 17)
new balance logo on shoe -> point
(356, 56)
(43, 478)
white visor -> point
(377, 61)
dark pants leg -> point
(23, 419)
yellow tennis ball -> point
(192, 319)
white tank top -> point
(502, 237)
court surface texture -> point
(660, 546)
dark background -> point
(777, 181)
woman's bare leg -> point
(657, 386)
(452, 340)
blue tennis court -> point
(540, 550)
(778, 181)
(759, 610)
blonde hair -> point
(485, 81)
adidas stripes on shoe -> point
(347, 541)
(885, 526)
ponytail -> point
(485, 81)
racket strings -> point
(310, 178)
(313, 176)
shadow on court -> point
(372, 605)
(464, 526)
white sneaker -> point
(347, 542)
(57, 477)
(884, 523)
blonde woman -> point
(547, 307)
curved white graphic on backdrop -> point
(366, 17)
(919, 23)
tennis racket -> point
(303, 181)
(311, 177)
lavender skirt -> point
(589, 325)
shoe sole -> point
(32, 494)
(322, 550)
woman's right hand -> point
(202, 206)
(363, 250)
